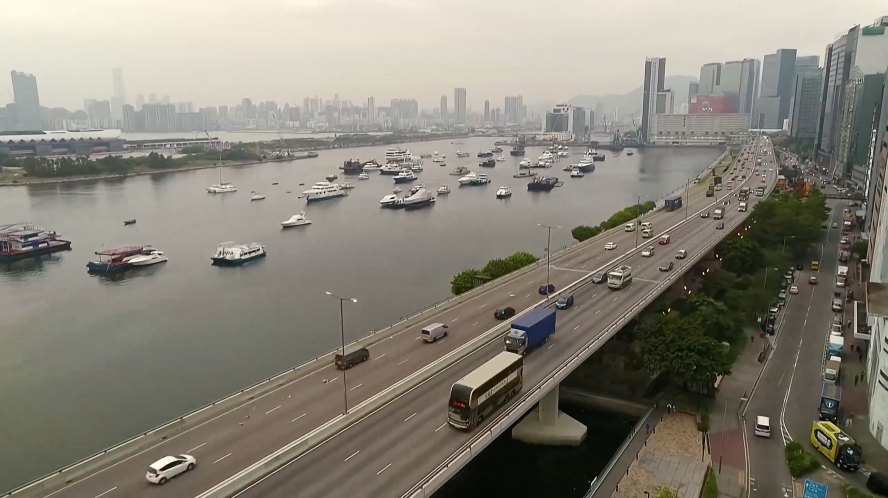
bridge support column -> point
(547, 425)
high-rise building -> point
(654, 78)
(735, 80)
(444, 108)
(710, 75)
(577, 124)
(512, 109)
(805, 102)
(522, 110)
(119, 96)
(486, 111)
(860, 115)
(778, 80)
(557, 119)
(140, 101)
(27, 102)
(693, 91)
(459, 105)
(99, 112)
(128, 123)
(371, 110)
(749, 86)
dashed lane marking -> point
(597, 311)
(483, 305)
(223, 458)
(440, 427)
(476, 323)
(106, 492)
(384, 469)
(380, 356)
(196, 447)
(353, 454)
(273, 409)
(576, 327)
(550, 346)
(353, 388)
(300, 416)
(403, 362)
(411, 416)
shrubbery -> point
(800, 460)
(584, 232)
(494, 268)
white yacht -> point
(390, 169)
(439, 159)
(562, 153)
(297, 220)
(576, 173)
(474, 179)
(324, 190)
(500, 159)
(221, 188)
(523, 174)
(256, 196)
(363, 176)
(406, 175)
(417, 167)
(148, 257)
(391, 200)
(460, 153)
(503, 192)
(546, 156)
(233, 254)
(371, 166)
(396, 155)
(443, 190)
(347, 185)
(418, 198)
(525, 163)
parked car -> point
(565, 302)
(648, 252)
(610, 246)
(793, 289)
(547, 289)
(599, 278)
(667, 266)
(169, 467)
(504, 313)
(681, 254)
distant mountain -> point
(630, 103)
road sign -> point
(814, 489)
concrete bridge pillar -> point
(548, 425)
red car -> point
(812, 280)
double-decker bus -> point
(484, 390)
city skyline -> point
(438, 59)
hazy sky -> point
(217, 51)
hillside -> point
(630, 103)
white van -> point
(762, 426)
(664, 239)
(647, 225)
(433, 332)
(629, 227)
(647, 233)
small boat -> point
(331, 177)
(404, 176)
(438, 159)
(130, 222)
(488, 163)
(297, 220)
(390, 169)
(542, 184)
(363, 176)
(418, 197)
(460, 153)
(503, 192)
(485, 154)
(460, 171)
(500, 159)
(562, 153)
(352, 167)
(371, 165)
(496, 148)
(442, 164)
(630, 153)
(425, 155)
(346, 185)
(443, 190)
(256, 196)
(577, 173)
(474, 179)
(221, 188)
(147, 257)
(233, 254)
(391, 201)
(586, 166)
(114, 260)
(523, 174)
(275, 183)
(546, 156)
(418, 167)
(525, 164)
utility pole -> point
(548, 252)
(342, 336)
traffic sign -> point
(814, 489)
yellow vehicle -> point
(815, 265)
(840, 448)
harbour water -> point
(89, 361)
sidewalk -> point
(630, 452)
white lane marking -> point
(593, 295)
(380, 356)
(353, 454)
(597, 311)
(527, 295)
(334, 379)
(550, 346)
(106, 492)
(273, 409)
(300, 416)
(417, 338)
(223, 458)
(614, 299)
(455, 319)
(196, 447)
(384, 469)
(440, 427)
(411, 416)
(483, 305)
(403, 362)
(476, 323)
(576, 327)
(353, 388)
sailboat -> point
(221, 187)
(255, 196)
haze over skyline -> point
(217, 52)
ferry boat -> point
(352, 167)
(485, 154)
(405, 176)
(324, 190)
(460, 171)
(24, 240)
(234, 254)
(115, 260)
(542, 184)
(396, 155)
(503, 192)
(390, 169)
(489, 163)
(473, 179)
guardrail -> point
(278, 460)
(622, 449)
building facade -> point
(654, 79)
(699, 129)
(710, 78)
(26, 111)
(778, 78)
(50, 143)
(459, 105)
(805, 103)
(557, 120)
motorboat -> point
(297, 220)
(586, 166)
(488, 163)
(596, 156)
(234, 254)
(391, 201)
(390, 169)
(23, 240)
(363, 176)
(352, 167)
(324, 190)
(503, 192)
(347, 185)
(630, 153)
(371, 165)
(500, 159)
(562, 153)
(414, 189)
(545, 163)
(542, 184)
(147, 257)
(129, 222)
(411, 162)
(459, 171)
(546, 156)
(439, 159)
(256, 196)
(418, 167)
(496, 148)
(331, 177)
(396, 155)
(442, 164)
(405, 176)
(221, 188)
(485, 154)
(474, 179)
(114, 260)
(523, 174)
(418, 198)
(525, 163)
(443, 190)
(577, 173)
(460, 153)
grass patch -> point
(800, 460)
(852, 492)
(710, 487)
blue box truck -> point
(830, 399)
(530, 331)
(673, 203)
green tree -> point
(521, 259)
(860, 248)
(462, 281)
(740, 255)
(496, 268)
(671, 346)
(584, 232)
(712, 318)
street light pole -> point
(548, 251)
(688, 193)
(342, 337)
(637, 219)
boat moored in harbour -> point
(576, 173)
(371, 165)
(523, 174)
(324, 190)
(460, 153)
(114, 260)
(391, 201)
(23, 240)
(503, 192)
(542, 184)
(418, 197)
(297, 220)
(234, 254)
(489, 163)
(443, 190)
(474, 179)
(525, 164)
(352, 167)
(485, 154)
(390, 169)
(221, 188)
(396, 155)
(459, 171)
(147, 257)
(405, 176)
(363, 176)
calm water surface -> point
(89, 361)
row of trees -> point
(495, 268)
(584, 232)
(688, 342)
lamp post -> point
(637, 219)
(548, 250)
(342, 336)
(688, 194)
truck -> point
(837, 446)
(781, 181)
(673, 203)
(835, 346)
(717, 180)
(841, 276)
(743, 206)
(760, 191)
(530, 331)
(718, 214)
(847, 219)
(744, 194)
(831, 370)
(830, 398)
(710, 191)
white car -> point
(648, 252)
(169, 467)
(794, 289)
(610, 246)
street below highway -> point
(244, 434)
